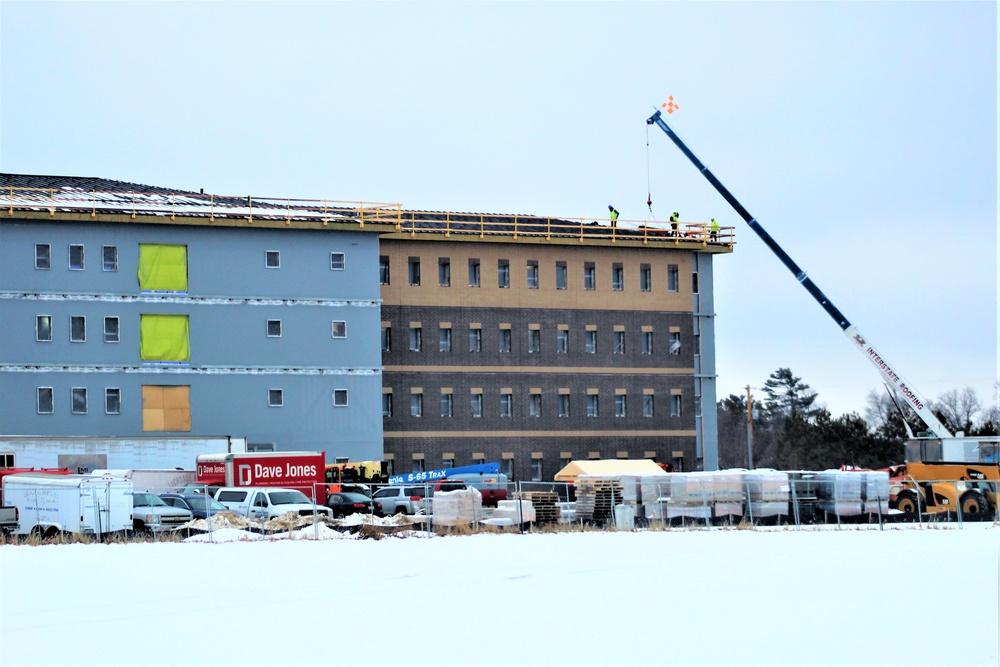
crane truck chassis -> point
(943, 471)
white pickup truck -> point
(263, 502)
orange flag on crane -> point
(670, 105)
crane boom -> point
(892, 379)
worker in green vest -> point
(674, 218)
(614, 216)
(714, 229)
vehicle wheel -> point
(402, 510)
(906, 502)
(972, 502)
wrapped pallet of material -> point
(875, 491)
(691, 488)
(677, 511)
(449, 508)
(630, 488)
(840, 492)
(728, 486)
(519, 511)
(767, 493)
(567, 512)
(653, 488)
(766, 485)
(803, 495)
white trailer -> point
(49, 504)
(152, 481)
(84, 454)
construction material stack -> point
(803, 495)
(596, 498)
(449, 508)
(545, 505)
(875, 492)
(691, 496)
(728, 492)
(655, 493)
(767, 494)
(840, 493)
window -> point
(590, 342)
(414, 339)
(274, 328)
(447, 405)
(619, 342)
(535, 405)
(473, 272)
(444, 272)
(164, 338)
(444, 340)
(272, 259)
(78, 329)
(414, 270)
(418, 466)
(475, 339)
(647, 342)
(564, 405)
(76, 257)
(338, 329)
(508, 467)
(383, 270)
(561, 280)
(620, 401)
(506, 405)
(534, 341)
(648, 404)
(694, 283)
(166, 408)
(337, 261)
(44, 400)
(110, 258)
(477, 405)
(536, 470)
(43, 328)
(43, 256)
(111, 333)
(416, 405)
(617, 278)
(645, 278)
(532, 274)
(589, 276)
(386, 405)
(386, 339)
(79, 400)
(673, 278)
(505, 340)
(503, 273)
(340, 398)
(162, 268)
(592, 405)
(562, 341)
(275, 398)
(675, 405)
(675, 342)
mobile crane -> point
(943, 471)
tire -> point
(402, 509)
(907, 503)
(972, 502)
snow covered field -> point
(904, 596)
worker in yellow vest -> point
(674, 218)
(714, 229)
(614, 216)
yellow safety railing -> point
(425, 223)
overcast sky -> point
(862, 135)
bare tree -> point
(959, 408)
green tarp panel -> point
(164, 338)
(162, 268)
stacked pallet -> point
(596, 498)
(840, 492)
(691, 496)
(767, 493)
(546, 504)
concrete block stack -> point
(840, 492)
(767, 493)
(449, 508)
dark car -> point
(344, 504)
(200, 505)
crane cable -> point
(649, 196)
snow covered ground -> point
(903, 596)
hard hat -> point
(610, 207)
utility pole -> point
(749, 430)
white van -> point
(49, 504)
(264, 502)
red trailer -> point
(304, 471)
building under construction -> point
(431, 339)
